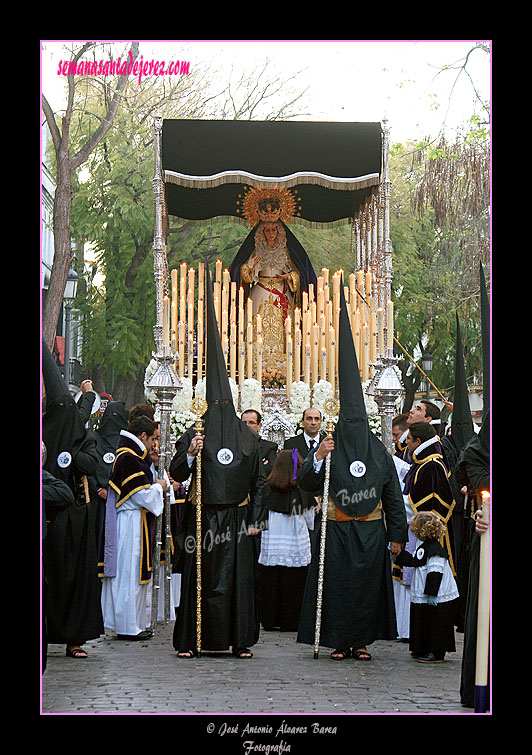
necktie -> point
(311, 445)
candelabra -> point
(386, 387)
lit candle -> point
(289, 362)
(297, 318)
(308, 378)
(233, 351)
(323, 375)
(315, 352)
(225, 329)
(166, 321)
(173, 329)
(233, 302)
(182, 291)
(225, 297)
(259, 359)
(332, 357)
(297, 356)
(356, 334)
(250, 311)
(372, 337)
(191, 318)
(218, 278)
(181, 347)
(225, 349)
(352, 285)
(190, 356)
(250, 349)
(241, 361)
(365, 352)
(200, 349)
(217, 297)
(380, 331)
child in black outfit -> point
(433, 591)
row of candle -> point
(311, 334)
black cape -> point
(473, 470)
(70, 548)
(358, 604)
(231, 480)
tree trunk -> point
(62, 251)
(130, 388)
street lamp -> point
(426, 361)
(69, 295)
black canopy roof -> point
(333, 166)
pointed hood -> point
(461, 421)
(485, 330)
(229, 445)
(54, 383)
(63, 431)
(358, 459)
(107, 434)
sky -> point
(348, 80)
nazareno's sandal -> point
(361, 655)
(186, 654)
(341, 654)
(242, 653)
(75, 652)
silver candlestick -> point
(164, 383)
(386, 387)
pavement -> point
(283, 681)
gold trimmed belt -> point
(337, 515)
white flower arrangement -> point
(321, 391)
(150, 372)
(183, 398)
(251, 395)
(180, 422)
(372, 408)
(199, 390)
(299, 398)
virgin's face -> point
(270, 232)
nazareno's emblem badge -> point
(108, 457)
(225, 456)
(357, 468)
(64, 459)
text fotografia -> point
(285, 729)
(121, 67)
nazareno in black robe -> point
(73, 611)
(358, 604)
(231, 482)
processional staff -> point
(483, 633)
(199, 407)
(331, 409)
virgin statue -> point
(273, 268)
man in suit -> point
(267, 449)
(310, 438)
